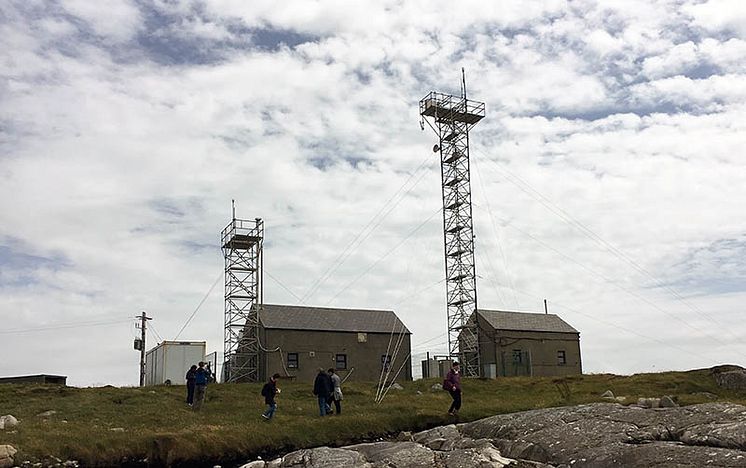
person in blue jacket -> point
(201, 377)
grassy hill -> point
(113, 426)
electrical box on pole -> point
(451, 118)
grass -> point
(157, 425)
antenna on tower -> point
(451, 118)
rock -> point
(8, 421)
(608, 394)
(649, 402)
(732, 380)
(6, 456)
(396, 386)
(667, 402)
(436, 388)
(117, 429)
(46, 414)
(255, 464)
(419, 392)
(608, 434)
(396, 454)
(708, 395)
(324, 457)
(404, 436)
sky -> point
(608, 175)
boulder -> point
(8, 421)
(436, 387)
(6, 456)
(732, 380)
(396, 386)
(668, 402)
(396, 454)
(324, 457)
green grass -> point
(159, 426)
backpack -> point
(447, 386)
(265, 390)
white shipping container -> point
(171, 360)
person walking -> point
(453, 385)
(336, 395)
(322, 388)
(201, 377)
(268, 392)
(190, 376)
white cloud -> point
(114, 20)
(719, 16)
(118, 171)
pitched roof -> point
(525, 321)
(292, 317)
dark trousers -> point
(190, 393)
(456, 405)
(337, 404)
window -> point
(561, 358)
(341, 362)
(517, 356)
(362, 337)
(386, 361)
(292, 360)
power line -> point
(374, 222)
(280, 284)
(209, 291)
(62, 326)
(381, 258)
(566, 217)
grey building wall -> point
(538, 352)
(317, 349)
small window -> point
(362, 337)
(561, 358)
(517, 356)
(386, 361)
(292, 360)
(341, 362)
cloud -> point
(123, 141)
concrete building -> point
(297, 341)
(530, 344)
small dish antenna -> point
(436, 148)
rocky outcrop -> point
(442, 447)
(588, 436)
(607, 435)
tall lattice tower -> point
(451, 118)
(242, 249)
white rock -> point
(396, 386)
(8, 421)
(47, 414)
(6, 456)
(117, 429)
(255, 464)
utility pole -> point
(143, 325)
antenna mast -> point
(451, 118)
(242, 242)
